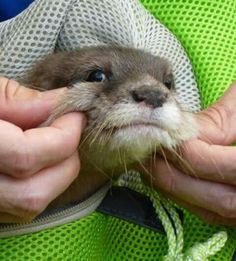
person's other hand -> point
(36, 164)
(207, 186)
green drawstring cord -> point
(174, 228)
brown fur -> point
(121, 111)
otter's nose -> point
(155, 98)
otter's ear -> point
(169, 81)
(54, 71)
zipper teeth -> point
(89, 205)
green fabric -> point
(165, 210)
(95, 238)
(103, 238)
(207, 30)
(99, 237)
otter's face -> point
(129, 98)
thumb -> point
(25, 107)
(218, 122)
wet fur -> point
(120, 131)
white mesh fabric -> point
(54, 25)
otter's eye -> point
(169, 82)
(97, 76)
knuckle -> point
(192, 158)
(228, 206)
(163, 177)
(32, 206)
(170, 184)
(166, 182)
(23, 162)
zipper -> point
(58, 217)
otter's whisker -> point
(125, 166)
(100, 129)
(166, 160)
(184, 163)
(87, 137)
(96, 167)
(214, 162)
(144, 168)
(119, 156)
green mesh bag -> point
(207, 30)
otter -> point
(128, 96)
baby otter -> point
(129, 98)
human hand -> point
(209, 188)
(36, 164)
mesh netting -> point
(55, 25)
(207, 31)
(96, 238)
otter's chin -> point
(141, 138)
(145, 138)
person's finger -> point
(25, 107)
(206, 215)
(216, 124)
(210, 162)
(26, 198)
(216, 197)
(25, 153)
(8, 218)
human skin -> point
(30, 163)
(207, 187)
(34, 161)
